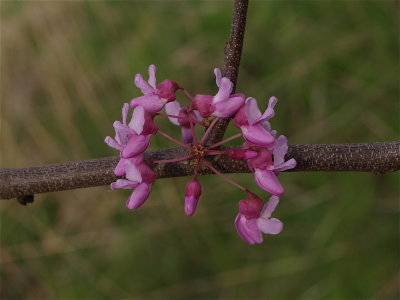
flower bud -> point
(192, 194)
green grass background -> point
(67, 68)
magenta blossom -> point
(182, 119)
(223, 104)
(263, 151)
(155, 96)
(135, 135)
(265, 168)
(138, 177)
(192, 195)
(250, 222)
(253, 124)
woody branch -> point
(378, 158)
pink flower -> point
(254, 125)
(223, 104)
(155, 96)
(250, 222)
(136, 133)
(265, 169)
(138, 177)
(120, 168)
(142, 191)
(174, 109)
(192, 195)
(279, 151)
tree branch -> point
(378, 158)
(233, 53)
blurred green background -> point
(66, 69)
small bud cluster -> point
(262, 149)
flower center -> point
(198, 150)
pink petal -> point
(119, 169)
(197, 115)
(132, 172)
(125, 110)
(253, 231)
(290, 164)
(252, 111)
(148, 176)
(187, 136)
(173, 108)
(190, 205)
(268, 182)
(142, 85)
(152, 76)
(241, 229)
(227, 108)
(139, 196)
(257, 135)
(151, 103)
(202, 103)
(280, 149)
(225, 89)
(269, 207)
(123, 184)
(136, 145)
(137, 121)
(269, 112)
(240, 118)
(218, 76)
(270, 226)
(112, 143)
(267, 127)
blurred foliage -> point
(66, 69)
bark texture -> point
(377, 158)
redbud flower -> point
(250, 222)
(192, 194)
(134, 133)
(155, 96)
(174, 109)
(254, 125)
(223, 104)
(263, 170)
(142, 190)
(279, 151)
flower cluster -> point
(263, 151)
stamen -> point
(175, 140)
(187, 93)
(208, 130)
(197, 167)
(224, 177)
(192, 129)
(225, 141)
(213, 152)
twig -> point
(378, 158)
(233, 53)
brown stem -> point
(233, 53)
(378, 158)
